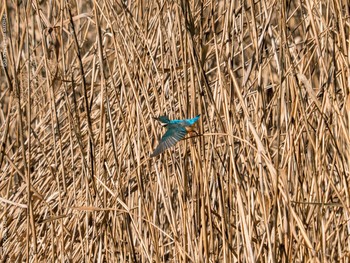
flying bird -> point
(176, 131)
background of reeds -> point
(266, 181)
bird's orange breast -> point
(190, 128)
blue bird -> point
(176, 131)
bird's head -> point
(164, 120)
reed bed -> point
(266, 179)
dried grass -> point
(266, 181)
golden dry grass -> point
(266, 181)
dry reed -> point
(266, 180)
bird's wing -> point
(169, 139)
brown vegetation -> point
(267, 178)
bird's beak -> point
(155, 118)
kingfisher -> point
(176, 131)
